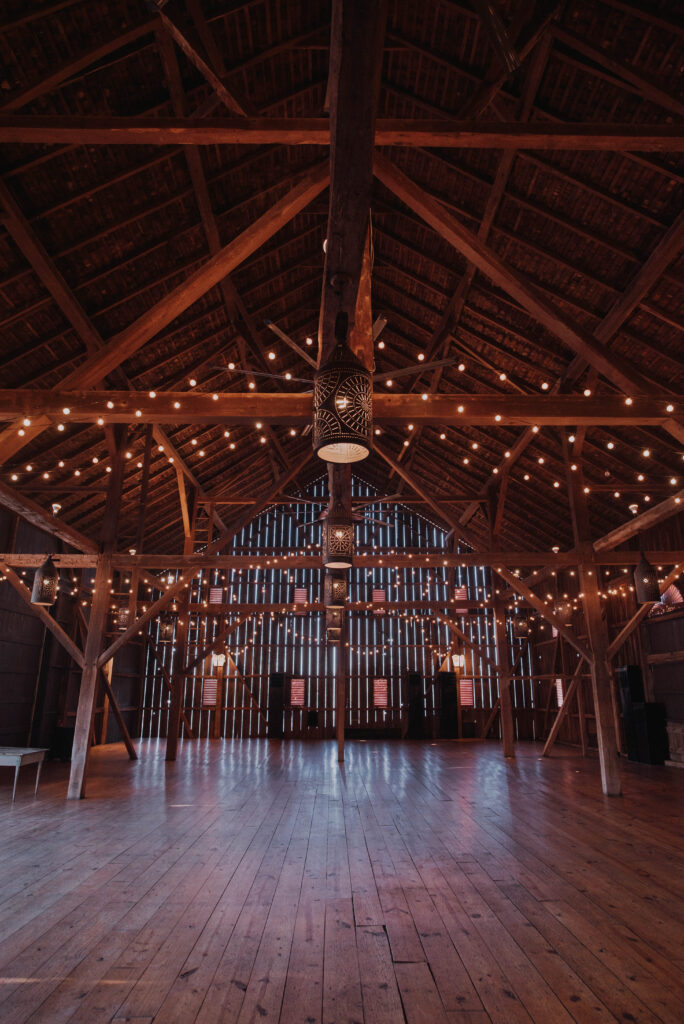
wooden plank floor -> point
(426, 883)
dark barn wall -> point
(666, 637)
(26, 656)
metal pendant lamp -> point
(521, 627)
(166, 627)
(335, 589)
(338, 542)
(122, 618)
(646, 582)
(45, 583)
(342, 402)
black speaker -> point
(312, 719)
(631, 685)
(276, 701)
(447, 687)
(416, 706)
(646, 734)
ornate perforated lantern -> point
(334, 623)
(166, 627)
(45, 583)
(335, 589)
(646, 582)
(122, 617)
(338, 542)
(521, 627)
(342, 402)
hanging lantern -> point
(343, 398)
(646, 582)
(166, 627)
(521, 627)
(338, 542)
(122, 618)
(334, 618)
(45, 583)
(334, 624)
(334, 589)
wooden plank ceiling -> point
(95, 235)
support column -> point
(339, 489)
(220, 701)
(178, 678)
(601, 680)
(341, 693)
(597, 633)
(504, 666)
(96, 627)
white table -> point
(18, 756)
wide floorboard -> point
(260, 881)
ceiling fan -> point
(378, 326)
(357, 515)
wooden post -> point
(504, 672)
(96, 625)
(602, 681)
(582, 718)
(340, 695)
(220, 700)
(597, 633)
(107, 673)
(564, 709)
(178, 677)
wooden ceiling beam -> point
(72, 67)
(668, 249)
(670, 245)
(505, 573)
(637, 81)
(461, 409)
(232, 300)
(616, 369)
(212, 271)
(442, 338)
(651, 517)
(209, 274)
(196, 561)
(74, 652)
(203, 56)
(45, 269)
(356, 45)
(514, 558)
(39, 517)
(311, 131)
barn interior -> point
(341, 532)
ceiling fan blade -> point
(380, 522)
(379, 326)
(261, 373)
(408, 371)
(290, 343)
(375, 501)
(305, 501)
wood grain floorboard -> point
(259, 881)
